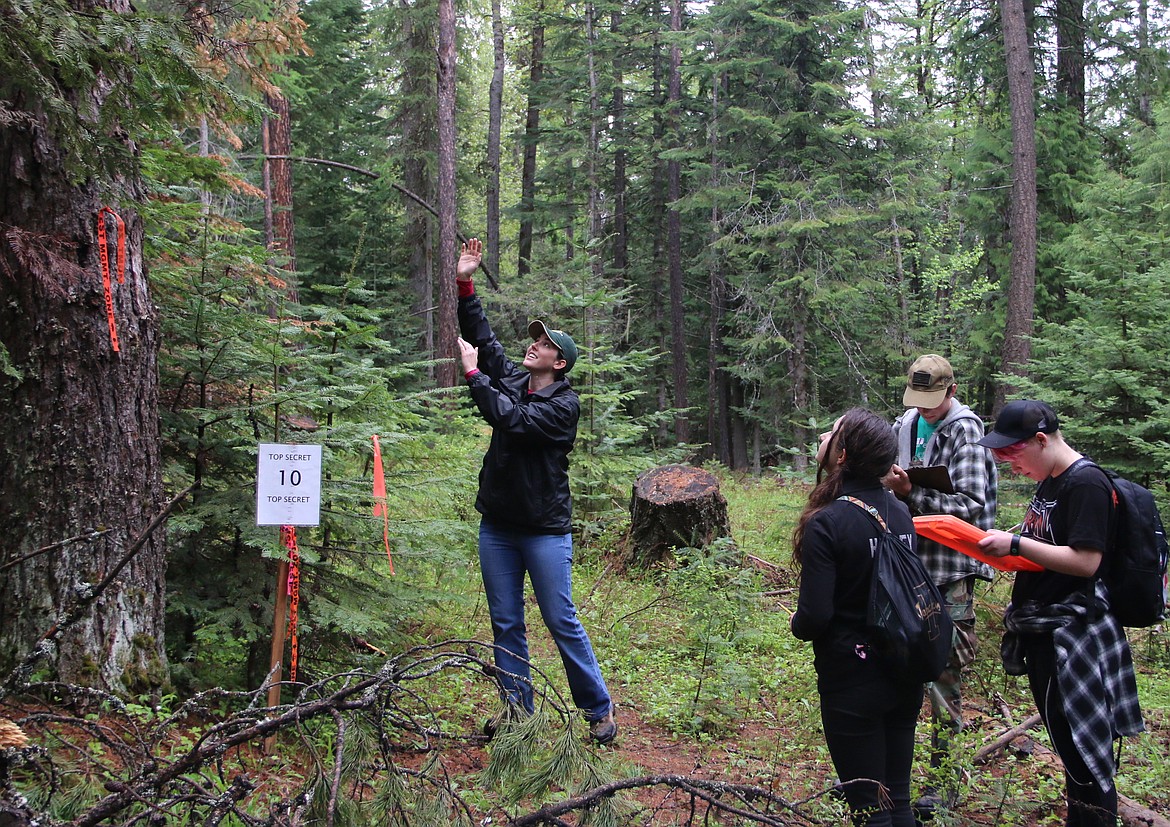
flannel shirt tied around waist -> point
(1094, 671)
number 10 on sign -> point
(288, 484)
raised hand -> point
(469, 259)
(468, 355)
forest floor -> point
(710, 688)
(1018, 786)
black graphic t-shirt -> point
(1072, 509)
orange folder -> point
(962, 536)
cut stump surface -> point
(675, 506)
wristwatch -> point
(1014, 550)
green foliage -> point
(1103, 368)
(104, 80)
(234, 375)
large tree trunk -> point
(620, 261)
(531, 139)
(1070, 54)
(1017, 348)
(448, 254)
(798, 368)
(678, 342)
(80, 474)
(281, 238)
(495, 116)
(1145, 70)
(418, 142)
(718, 423)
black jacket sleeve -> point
(548, 416)
(474, 327)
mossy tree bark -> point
(80, 473)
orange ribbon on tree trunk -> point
(104, 255)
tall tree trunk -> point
(657, 290)
(678, 340)
(872, 82)
(739, 452)
(281, 240)
(1146, 72)
(495, 115)
(620, 261)
(1070, 54)
(448, 254)
(80, 471)
(419, 144)
(717, 420)
(1021, 296)
(594, 197)
(798, 367)
(531, 140)
(924, 51)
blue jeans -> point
(504, 557)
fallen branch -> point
(712, 792)
(1131, 813)
(987, 750)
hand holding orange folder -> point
(962, 536)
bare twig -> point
(86, 537)
(418, 199)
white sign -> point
(288, 485)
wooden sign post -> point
(288, 494)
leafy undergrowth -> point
(716, 702)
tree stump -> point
(675, 506)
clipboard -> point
(931, 476)
(960, 535)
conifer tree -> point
(81, 84)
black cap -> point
(1020, 420)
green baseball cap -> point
(560, 338)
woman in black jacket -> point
(868, 710)
(524, 499)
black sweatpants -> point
(869, 729)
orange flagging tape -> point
(380, 507)
(104, 254)
(288, 534)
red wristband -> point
(471, 373)
(466, 288)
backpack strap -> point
(873, 512)
(1090, 587)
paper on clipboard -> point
(960, 535)
(931, 476)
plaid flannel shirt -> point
(1094, 670)
(974, 475)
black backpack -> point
(907, 619)
(1135, 570)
